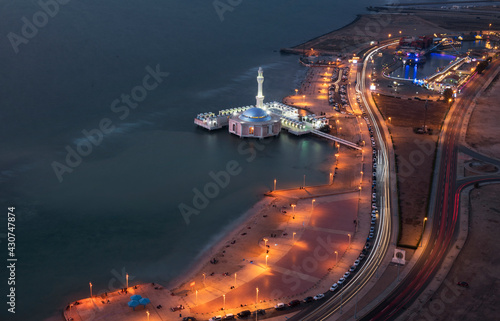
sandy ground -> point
(483, 130)
(369, 28)
(415, 158)
(476, 264)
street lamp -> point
(390, 120)
(293, 237)
(349, 240)
(331, 178)
(235, 280)
(265, 242)
(336, 257)
(224, 305)
(312, 204)
(274, 184)
(196, 302)
(267, 255)
(90, 284)
(296, 92)
(293, 207)
(126, 277)
(256, 296)
(203, 278)
(147, 313)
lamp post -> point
(296, 92)
(224, 305)
(196, 302)
(203, 278)
(331, 178)
(147, 313)
(267, 255)
(349, 240)
(336, 257)
(256, 296)
(423, 230)
(90, 285)
(293, 237)
(265, 242)
(126, 278)
(293, 207)
(312, 204)
(235, 280)
(274, 184)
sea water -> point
(116, 210)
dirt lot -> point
(369, 28)
(415, 158)
(483, 130)
(477, 264)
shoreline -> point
(297, 47)
(202, 258)
(235, 228)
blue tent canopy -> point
(136, 297)
(133, 304)
(144, 301)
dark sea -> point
(98, 149)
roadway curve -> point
(445, 214)
(324, 310)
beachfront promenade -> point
(280, 253)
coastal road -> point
(382, 240)
(445, 213)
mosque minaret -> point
(260, 97)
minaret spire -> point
(260, 97)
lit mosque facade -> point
(256, 121)
(262, 120)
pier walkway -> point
(336, 139)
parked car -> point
(319, 296)
(308, 299)
(244, 313)
(352, 268)
(293, 303)
(280, 306)
(341, 281)
(346, 274)
(356, 263)
(334, 287)
(229, 316)
(216, 318)
(259, 312)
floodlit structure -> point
(256, 121)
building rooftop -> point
(255, 114)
